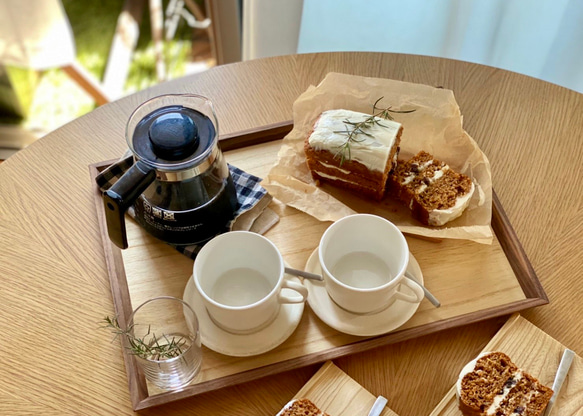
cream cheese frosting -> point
(499, 398)
(372, 151)
(423, 186)
(326, 165)
(324, 175)
(442, 216)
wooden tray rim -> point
(517, 258)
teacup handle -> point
(418, 293)
(298, 287)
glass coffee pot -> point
(180, 186)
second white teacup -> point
(364, 258)
(240, 277)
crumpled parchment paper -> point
(435, 126)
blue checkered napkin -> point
(249, 193)
(113, 172)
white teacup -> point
(240, 276)
(364, 258)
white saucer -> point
(264, 340)
(354, 324)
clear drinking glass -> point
(164, 337)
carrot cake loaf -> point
(301, 407)
(492, 385)
(353, 150)
(434, 192)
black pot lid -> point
(173, 136)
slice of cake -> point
(493, 385)
(353, 150)
(431, 189)
(301, 407)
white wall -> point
(540, 38)
(270, 27)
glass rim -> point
(171, 298)
(324, 240)
(186, 164)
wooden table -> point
(56, 289)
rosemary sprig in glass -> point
(354, 129)
(150, 347)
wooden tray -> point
(539, 354)
(335, 393)
(473, 282)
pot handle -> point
(121, 195)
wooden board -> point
(473, 282)
(539, 354)
(335, 393)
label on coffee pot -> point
(191, 226)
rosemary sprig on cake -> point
(353, 129)
(152, 348)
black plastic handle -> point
(122, 194)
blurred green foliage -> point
(93, 23)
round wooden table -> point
(55, 285)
